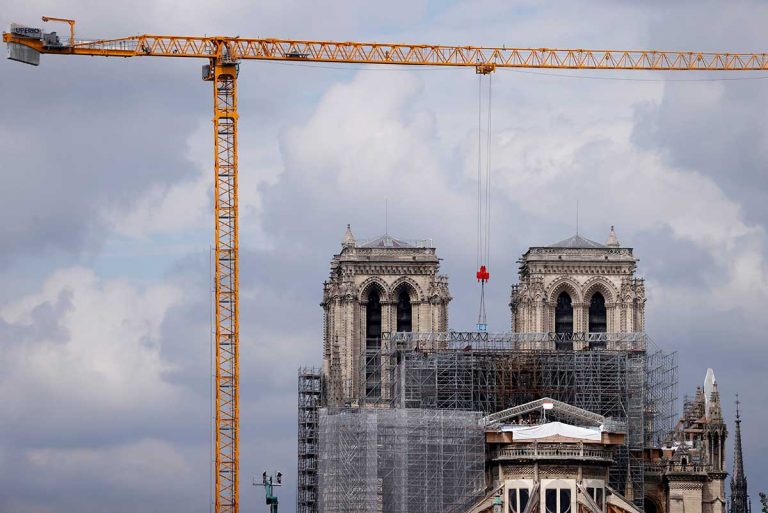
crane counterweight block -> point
(24, 54)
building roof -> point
(577, 241)
(386, 241)
(564, 410)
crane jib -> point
(483, 59)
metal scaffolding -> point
(621, 376)
(309, 402)
(609, 374)
(660, 395)
(380, 460)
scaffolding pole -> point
(309, 397)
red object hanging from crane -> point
(483, 274)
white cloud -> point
(186, 207)
(545, 168)
(373, 138)
(370, 140)
(360, 140)
(104, 353)
(179, 207)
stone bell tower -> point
(376, 286)
(578, 286)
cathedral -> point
(573, 408)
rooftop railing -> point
(553, 452)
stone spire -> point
(714, 411)
(629, 491)
(739, 498)
(612, 241)
(349, 239)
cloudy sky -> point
(106, 224)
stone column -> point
(631, 316)
(611, 323)
(546, 319)
(579, 314)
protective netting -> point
(376, 460)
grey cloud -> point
(86, 150)
(715, 128)
(725, 138)
(43, 323)
(666, 259)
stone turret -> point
(613, 241)
(349, 239)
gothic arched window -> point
(373, 316)
(564, 314)
(404, 311)
(373, 345)
(597, 317)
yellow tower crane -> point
(25, 44)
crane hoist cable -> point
(483, 197)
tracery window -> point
(518, 499)
(597, 496)
(558, 500)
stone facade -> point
(580, 268)
(386, 267)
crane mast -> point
(223, 73)
(25, 44)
